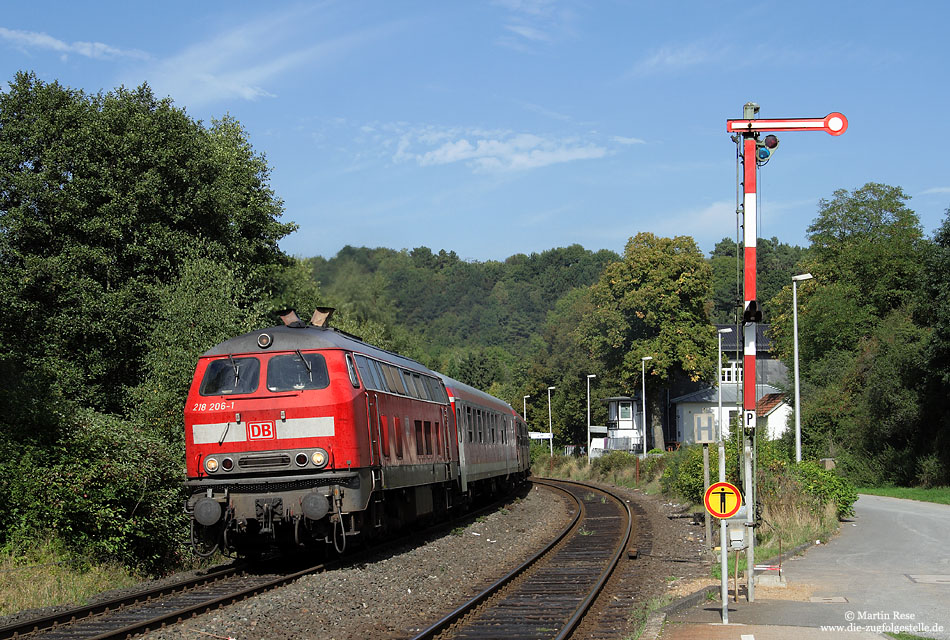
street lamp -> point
(721, 332)
(524, 414)
(550, 428)
(798, 411)
(643, 398)
(589, 376)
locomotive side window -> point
(410, 387)
(365, 372)
(397, 436)
(428, 434)
(392, 378)
(421, 390)
(419, 442)
(380, 378)
(297, 372)
(351, 370)
(231, 376)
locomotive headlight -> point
(211, 465)
(319, 458)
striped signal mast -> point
(757, 151)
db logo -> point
(261, 431)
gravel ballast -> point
(396, 594)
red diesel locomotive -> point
(302, 433)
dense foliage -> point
(132, 238)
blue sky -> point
(514, 126)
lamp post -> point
(798, 410)
(723, 554)
(524, 414)
(550, 428)
(643, 398)
(589, 376)
(719, 384)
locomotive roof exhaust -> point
(320, 319)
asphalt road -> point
(891, 565)
(880, 561)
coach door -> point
(459, 430)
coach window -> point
(469, 423)
(230, 376)
(297, 372)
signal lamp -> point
(765, 147)
(301, 459)
(319, 458)
(227, 464)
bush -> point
(929, 471)
(110, 490)
(826, 487)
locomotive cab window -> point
(231, 376)
(297, 372)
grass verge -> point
(940, 495)
(45, 576)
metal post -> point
(589, 376)
(550, 427)
(748, 490)
(723, 543)
(643, 398)
(798, 404)
(723, 553)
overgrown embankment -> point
(797, 503)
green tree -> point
(862, 354)
(652, 303)
(101, 198)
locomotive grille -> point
(352, 482)
(262, 462)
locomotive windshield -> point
(296, 372)
(230, 376)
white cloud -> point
(679, 57)
(491, 150)
(247, 61)
(95, 50)
(529, 33)
(628, 141)
(935, 190)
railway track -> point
(127, 616)
(547, 596)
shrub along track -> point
(548, 596)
